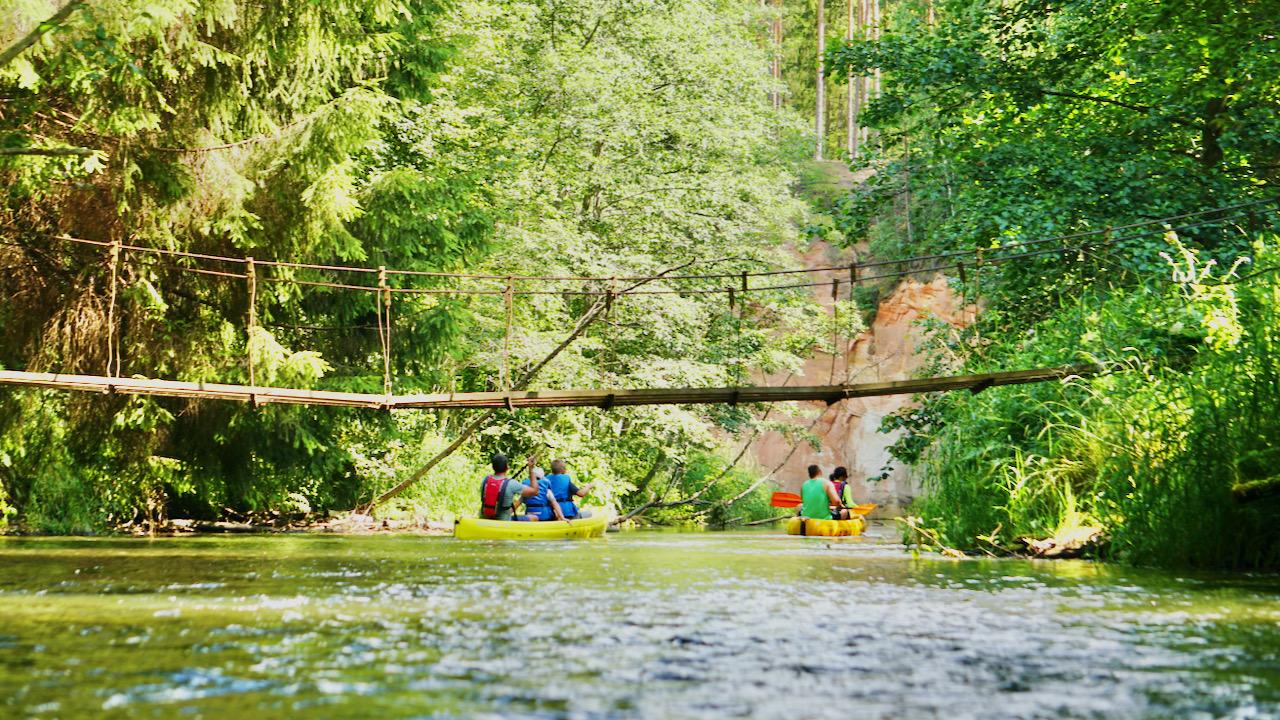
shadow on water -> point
(636, 625)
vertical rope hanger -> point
(853, 283)
(610, 294)
(508, 300)
(251, 277)
(737, 330)
(113, 255)
(383, 302)
(835, 326)
(977, 296)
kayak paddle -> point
(785, 500)
(791, 500)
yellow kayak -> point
(826, 528)
(481, 529)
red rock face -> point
(848, 430)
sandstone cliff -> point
(849, 430)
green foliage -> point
(500, 137)
(1012, 121)
(1007, 122)
(1151, 451)
(698, 485)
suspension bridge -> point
(605, 291)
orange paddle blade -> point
(785, 500)
(862, 509)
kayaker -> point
(844, 489)
(499, 493)
(818, 498)
(565, 492)
(542, 504)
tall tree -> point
(820, 104)
(851, 102)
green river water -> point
(646, 625)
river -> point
(644, 624)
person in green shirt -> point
(818, 498)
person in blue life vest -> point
(540, 506)
(499, 493)
(565, 492)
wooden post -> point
(251, 276)
(114, 258)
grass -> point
(1151, 452)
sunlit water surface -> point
(647, 625)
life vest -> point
(846, 494)
(491, 494)
(840, 486)
(559, 487)
(537, 504)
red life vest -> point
(490, 494)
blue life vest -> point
(537, 504)
(559, 484)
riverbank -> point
(269, 524)
(1085, 542)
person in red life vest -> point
(499, 493)
(565, 492)
(541, 505)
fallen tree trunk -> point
(1255, 490)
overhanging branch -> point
(14, 50)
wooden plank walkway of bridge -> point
(535, 398)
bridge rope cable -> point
(173, 259)
(1093, 250)
(852, 268)
(906, 266)
(987, 260)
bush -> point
(1150, 452)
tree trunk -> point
(875, 33)
(851, 106)
(820, 101)
(777, 55)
